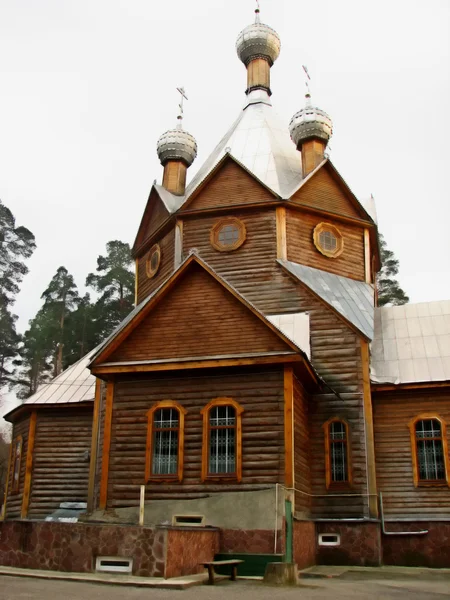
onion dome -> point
(258, 41)
(177, 144)
(310, 122)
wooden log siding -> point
(145, 285)
(261, 394)
(231, 185)
(302, 474)
(184, 325)
(155, 215)
(301, 249)
(323, 192)
(14, 499)
(393, 412)
(60, 464)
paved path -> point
(23, 588)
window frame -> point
(320, 228)
(15, 488)
(215, 231)
(178, 476)
(328, 472)
(150, 271)
(415, 461)
(206, 475)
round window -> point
(153, 261)
(328, 240)
(228, 234)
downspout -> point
(422, 532)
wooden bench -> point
(217, 563)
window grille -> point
(222, 440)
(338, 451)
(17, 460)
(430, 450)
(165, 441)
(228, 235)
(328, 241)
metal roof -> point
(75, 384)
(354, 300)
(412, 343)
(296, 327)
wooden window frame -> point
(178, 476)
(206, 475)
(320, 228)
(328, 475)
(215, 230)
(151, 272)
(415, 462)
(15, 487)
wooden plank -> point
(281, 232)
(136, 281)
(289, 427)
(8, 475)
(94, 445)
(368, 418)
(106, 444)
(29, 466)
(367, 257)
(178, 254)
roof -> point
(412, 343)
(75, 384)
(354, 300)
(193, 257)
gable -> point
(324, 192)
(155, 214)
(230, 185)
(198, 318)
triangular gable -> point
(325, 189)
(228, 184)
(352, 300)
(155, 214)
(201, 316)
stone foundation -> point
(74, 547)
(256, 541)
(304, 544)
(360, 544)
(429, 550)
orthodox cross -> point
(183, 97)
(307, 80)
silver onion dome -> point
(177, 144)
(310, 122)
(258, 41)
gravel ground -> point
(21, 588)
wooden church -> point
(256, 391)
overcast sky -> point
(88, 86)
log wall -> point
(393, 412)
(302, 459)
(14, 499)
(261, 394)
(301, 249)
(145, 285)
(61, 459)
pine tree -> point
(115, 284)
(60, 298)
(16, 245)
(389, 290)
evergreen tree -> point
(389, 290)
(115, 284)
(60, 298)
(82, 331)
(16, 244)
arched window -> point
(16, 464)
(165, 441)
(337, 456)
(429, 450)
(222, 440)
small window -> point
(336, 452)
(328, 240)
(228, 234)
(17, 458)
(222, 443)
(428, 438)
(329, 539)
(165, 437)
(153, 261)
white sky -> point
(87, 87)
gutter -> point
(422, 532)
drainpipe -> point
(422, 532)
